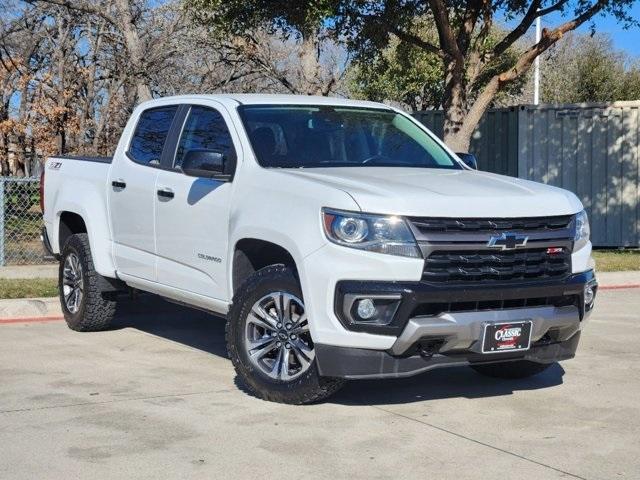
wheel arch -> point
(252, 254)
(69, 223)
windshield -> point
(286, 136)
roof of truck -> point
(270, 99)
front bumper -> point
(420, 299)
(427, 339)
(359, 363)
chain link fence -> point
(20, 222)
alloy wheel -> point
(277, 337)
(72, 283)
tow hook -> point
(429, 348)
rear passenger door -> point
(192, 214)
(132, 193)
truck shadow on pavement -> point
(194, 328)
(204, 331)
(439, 384)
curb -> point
(619, 287)
(43, 307)
(30, 319)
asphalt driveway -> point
(156, 398)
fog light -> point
(360, 309)
(366, 309)
(589, 295)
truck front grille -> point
(487, 265)
(539, 224)
(464, 250)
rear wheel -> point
(511, 370)
(269, 341)
(85, 306)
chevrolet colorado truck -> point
(340, 240)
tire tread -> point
(98, 308)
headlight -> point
(374, 233)
(582, 231)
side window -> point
(205, 129)
(150, 134)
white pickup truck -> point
(340, 239)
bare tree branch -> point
(84, 7)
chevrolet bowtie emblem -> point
(507, 241)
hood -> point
(443, 193)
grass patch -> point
(28, 287)
(616, 260)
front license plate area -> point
(506, 337)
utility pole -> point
(536, 71)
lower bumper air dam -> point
(359, 363)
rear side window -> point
(150, 134)
(205, 129)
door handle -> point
(165, 193)
(119, 184)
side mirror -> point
(204, 163)
(469, 159)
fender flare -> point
(265, 235)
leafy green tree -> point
(463, 37)
(585, 68)
(402, 73)
(630, 89)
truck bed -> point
(78, 184)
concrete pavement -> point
(156, 398)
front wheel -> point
(269, 341)
(511, 370)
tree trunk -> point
(134, 49)
(4, 155)
(4, 140)
(467, 121)
(455, 99)
(459, 123)
(310, 65)
(87, 116)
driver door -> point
(192, 213)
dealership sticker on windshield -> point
(506, 337)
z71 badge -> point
(55, 165)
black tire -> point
(511, 370)
(309, 387)
(96, 308)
